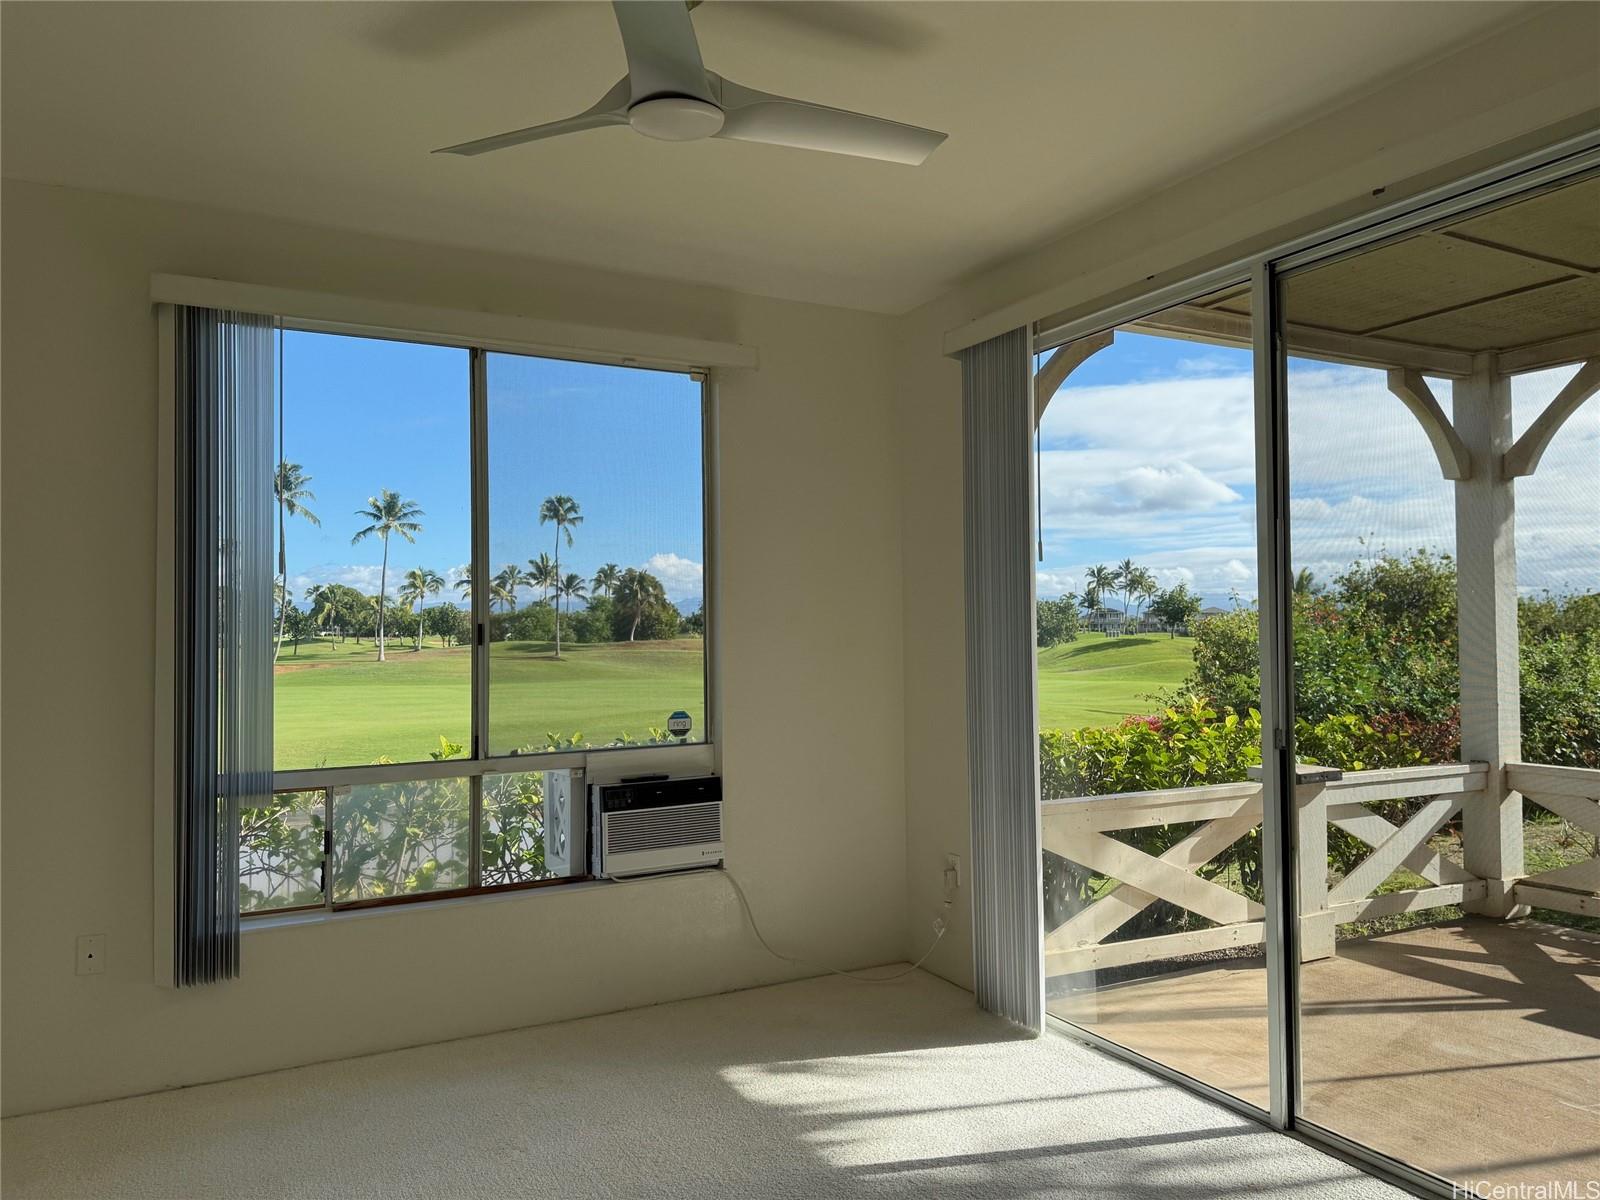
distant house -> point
(1213, 611)
(1104, 620)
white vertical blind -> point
(224, 375)
(1003, 743)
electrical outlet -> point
(92, 954)
(952, 872)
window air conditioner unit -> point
(655, 825)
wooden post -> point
(1486, 591)
(1317, 929)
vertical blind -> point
(1003, 745)
(223, 613)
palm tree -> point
(1305, 583)
(506, 583)
(499, 595)
(544, 574)
(419, 585)
(563, 512)
(572, 587)
(289, 485)
(605, 580)
(324, 603)
(1144, 588)
(1101, 579)
(387, 513)
(636, 592)
(1124, 575)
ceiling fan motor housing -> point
(675, 118)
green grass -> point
(1098, 680)
(336, 705)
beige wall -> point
(1523, 89)
(812, 727)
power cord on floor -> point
(939, 927)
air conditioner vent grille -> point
(662, 828)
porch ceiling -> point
(1522, 282)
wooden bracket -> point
(1412, 389)
(1523, 457)
(1062, 363)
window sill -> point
(250, 925)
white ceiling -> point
(325, 112)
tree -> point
(1124, 577)
(637, 592)
(1101, 579)
(544, 575)
(506, 583)
(1176, 607)
(419, 585)
(289, 485)
(500, 594)
(464, 584)
(1143, 586)
(321, 597)
(1305, 583)
(387, 513)
(571, 587)
(1056, 621)
(605, 580)
(563, 512)
(450, 625)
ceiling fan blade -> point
(610, 109)
(753, 116)
(663, 53)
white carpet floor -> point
(823, 1088)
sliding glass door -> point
(1319, 685)
(1445, 515)
(1149, 709)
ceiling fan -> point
(668, 94)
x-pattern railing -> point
(1079, 829)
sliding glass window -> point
(597, 544)
(404, 696)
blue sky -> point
(363, 414)
(1148, 453)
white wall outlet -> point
(92, 954)
(952, 872)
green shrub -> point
(1056, 621)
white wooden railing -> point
(1572, 793)
(1077, 829)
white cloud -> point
(1163, 471)
(1172, 486)
(682, 578)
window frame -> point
(599, 764)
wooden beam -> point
(1062, 363)
(1583, 782)
(1448, 448)
(1524, 455)
(1307, 341)
(1153, 949)
(1392, 903)
(1555, 353)
(1545, 897)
